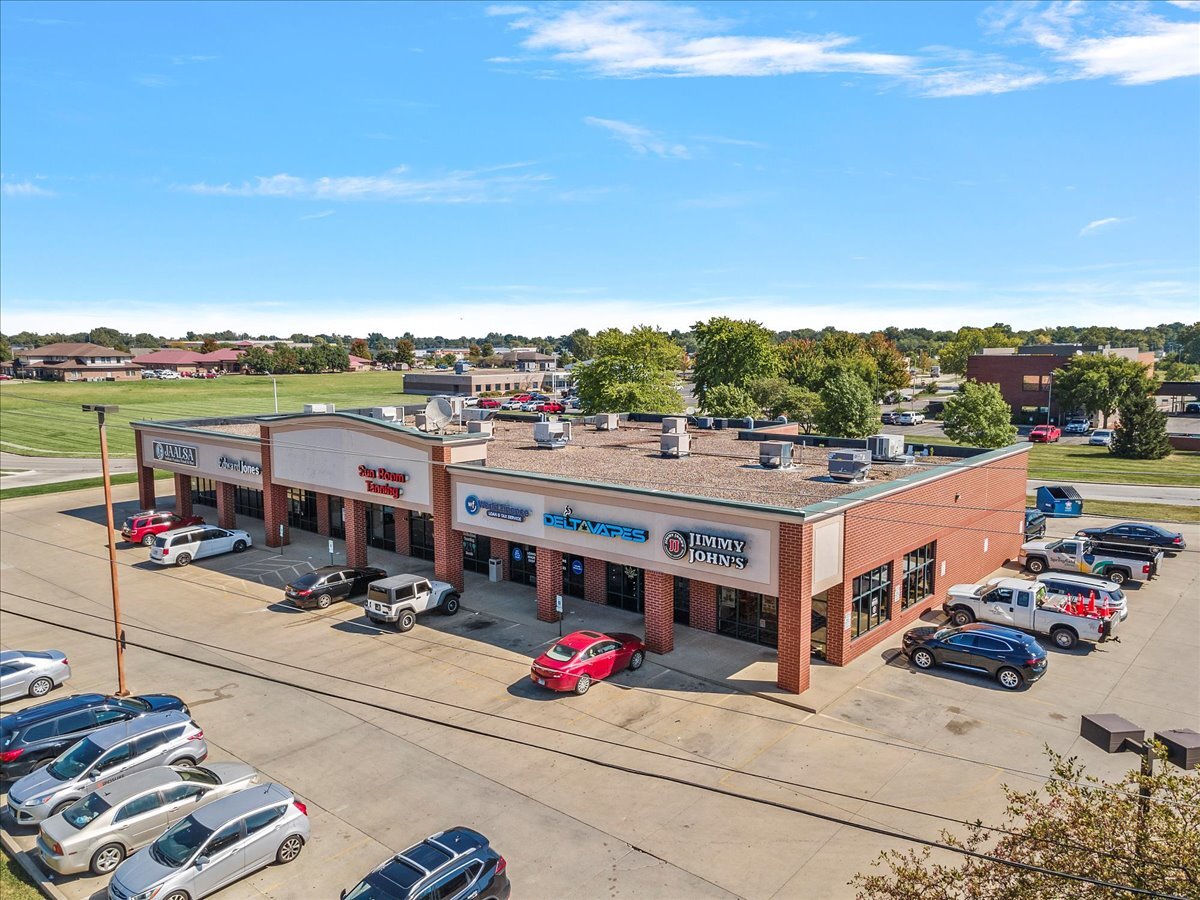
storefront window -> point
(573, 581)
(820, 624)
(302, 509)
(421, 539)
(248, 502)
(476, 550)
(381, 526)
(870, 607)
(204, 492)
(918, 575)
(624, 587)
(683, 598)
(748, 616)
(337, 516)
(522, 564)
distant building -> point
(75, 362)
(479, 381)
(530, 361)
(358, 364)
(189, 362)
(1024, 375)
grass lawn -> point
(1142, 512)
(43, 418)
(14, 883)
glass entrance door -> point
(476, 550)
(381, 526)
(573, 575)
(302, 509)
(624, 585)
(748, 616)
(820, 625)
(683, 598)
(522, 564)
(421, 534)
(337, 516)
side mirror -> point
(342, 895)
(201, 862)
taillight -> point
(65, 662)
(303, 593)
(10, 755)
(166, 551)
(1146, 569)
(501, 866)
(300, 806)
(56, 848)
(198, 736)
(1033, 661)
(1178, 539)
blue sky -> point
(462, 168)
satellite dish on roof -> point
(690, 411)
(438, 413)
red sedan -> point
(1045, 434)
(586, 656)
(551, 406)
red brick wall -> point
(1009, 371)
(960, 512)
(702, 605)
(549, 583)
(183, 494)
(795, 606)
(226, 505)
(595, 580)
(447, 543)
(659, 604)
(403, 532)
(322, 514)
(274, 497)
(145, 475)
(356, 532)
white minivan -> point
(180, 546)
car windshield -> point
(202, 776)
(75, 761)
(562, 652)
(179, 843)
(83, 811)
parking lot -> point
(688, 778)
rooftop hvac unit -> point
(674, 425)
(421, 421)
(775, 454)
(550, 435)
(387, 413)
(704, 422)
(457, 405)
(318, 407)
(478, 426)
(675, 445)
(607, 421)
(886, 446)
(849, 465)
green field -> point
(44, 418)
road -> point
(28, 470)
(1136, 493)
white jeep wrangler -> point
(398, 600)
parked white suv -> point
(910, 418)
(398, 600)
(182, 545)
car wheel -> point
(407, 620)
(239, 546)
(1117, 577)
(923, 659)
(635, 661)
(107, 858)
(62, 807)
(183, 559)
(1064, 638)
(41, 687)
(289, 849)
(178, 895)
(450, 607)
(185, 763)
(582, 685)
(1010, 679)
(323, 601)
(1036, 566)
(148, 541)
(962, 617)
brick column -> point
(322, 514)
(595, 580)
(659, 595)
(145, 475)
(447, 543)
(274, 497)
(402, 531)
(837, 637)
(549, 583)
(183, 494)
(500, 550)
(226, 505)
(356, 532)
(795, 606)
(702, 606)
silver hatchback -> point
(103, 828)
(215, 846)
(31, 673)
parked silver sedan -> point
(31, 673)
(103, 828)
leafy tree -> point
(954, 354)
(486, 349)
(732, 352)
(1174, 370)
(979, 416)
(109, 337)
(5, 350)
(1141, 432)
(377, 341)
(284, 360)
(778, 398)
(731, 401)
(579, 342)
(406, 352)
(891, 371)
(448, 360)
(209, 346)
(386, 357)
(1099, 384)
(145, 339)
(847, 407)
(360, 349)
(1080, 825)
(258, 359)
(803, 363)
(630, 372)
(1189, 343)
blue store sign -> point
(517, 553)
(577, 567)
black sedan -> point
(1013, 658)
(322, 586)
(1136, 534)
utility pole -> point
(1049, 398)
(275, 385)
(100, 410)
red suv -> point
(141, 528)
(551, 406)
(489, 403)
(1045, 434)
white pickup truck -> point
(1026, 605)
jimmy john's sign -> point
(707, 549)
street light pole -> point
(100, 410)
(1049, 398)
(275, 387)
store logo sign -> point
(711, 549)
(382, 481)
(182, 454)
(569, 522)
(496, 509)
(239, 465)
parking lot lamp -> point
(100, 411)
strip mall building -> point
(786, 558)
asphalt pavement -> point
(21, 471)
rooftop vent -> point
(886, 446)
(607, 421)
(775, 454)
(704, 422)
(551, 435)
(478, 426)
(675, 445)
(318, 407)
(849, 465)
(387, 413)
(674, 425)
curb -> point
(30, 867)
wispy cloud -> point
(1095, 226)
(191, 60)
(24, 189)
(732, 142)
(642, 140)
(154, 81)
(325, 213)
(922, 286)
(489, 185)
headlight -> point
(147, 895)
(36, 801)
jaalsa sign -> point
(719, 549)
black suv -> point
(37, 734)
(322, 586)
(1035, 523)
(453, 865)
(1013, 658)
